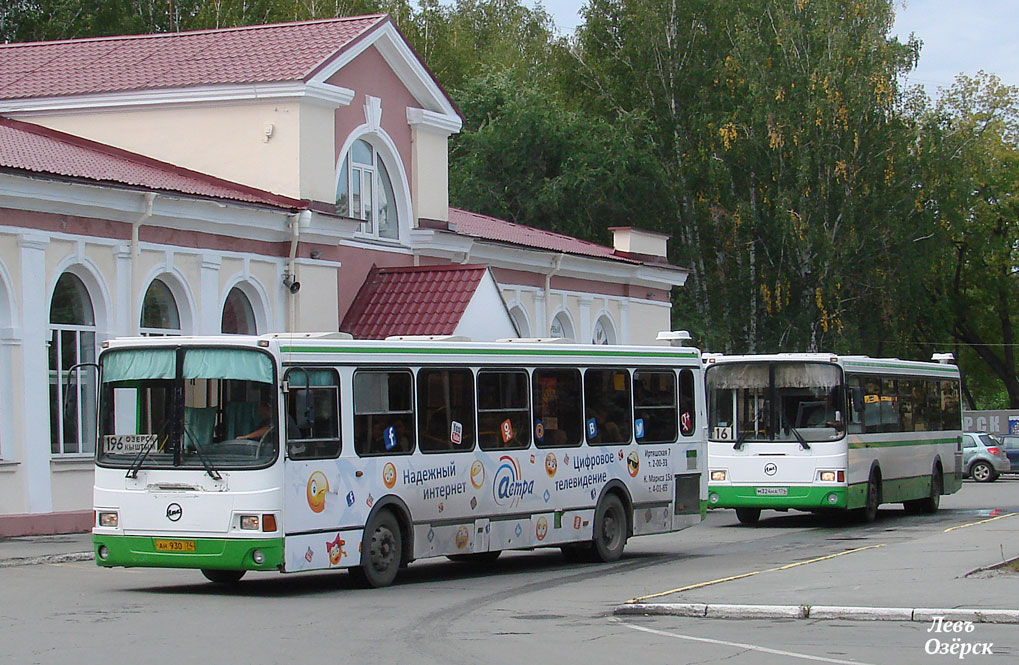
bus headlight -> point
(109, 520)
(833, 498)
(718, 475)
(249, 522)
(832, 476)
(713, 498)
(104, 552)
(258, 557)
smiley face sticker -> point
(541, 528)
(551, 465)
(389, 475)
(318, 485)
(477, 474)
(633, 463)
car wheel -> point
(982, 472)
(382, 552)
(748, 516)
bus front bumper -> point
(174, 552)
(799, 497)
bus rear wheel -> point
(748, 516)
(610, 526)
(929, 504)
(382, 552)
(223, 576)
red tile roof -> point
(425, 300)
(253, 54)
(28, 147)
(491, 228)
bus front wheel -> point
(609, 529)
(869, 511)
(748, 516)
(223, 576)
(382, 552)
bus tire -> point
(223, 576)
(610, 529)
(929, 504)
(476, 557)
(382, 552)
(868, 513)
(748, 516)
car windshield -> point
(775, 401)
(190, 408)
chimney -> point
(629, 241)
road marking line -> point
(751, 574)
(990, 519)
(742, 645)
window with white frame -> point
(72, 394)
(562, 327)
(520, 321)
(160, 316)
(364, 191)
(238, 315)
(604, 332)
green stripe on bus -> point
(217, 553)
(486, 352)
(895, 444)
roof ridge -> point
(429, 268)
(533, 228)
(143, 160)
(158, 35)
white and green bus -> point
(315, 451)
(821, 432)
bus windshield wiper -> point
(799, 437)
(206, 462)
(139, 459)
(741, 440)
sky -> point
(959, 36)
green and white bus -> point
(821, 432)
(314, 451)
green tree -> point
(970, 154)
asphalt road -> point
(528, 607)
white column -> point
(209, 317)
(125, 320)
(541, 321)
(624, 321)
(34, 400)
(585, 334)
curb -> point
(817, 612)
(49, 558)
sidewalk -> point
(952, 569)
(26, 550)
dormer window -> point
(364, 191)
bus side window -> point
(446, 410)
(383, 412)
(503, 411)
(857, 405)
(655, 407)
(608, 407)
(687, 403)
(558, 410)
(312, 412)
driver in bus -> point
(264, 422)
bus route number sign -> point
(722, 434)
(127, 443)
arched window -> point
(604, 331)
(364, 191)
(72, 341)
(520, 321)
(562, 327)
(238, 315)
(159, 311)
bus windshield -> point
(193, 408)
(799, 402)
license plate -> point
(772, 491)
(175, 546)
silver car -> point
(983, 457)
